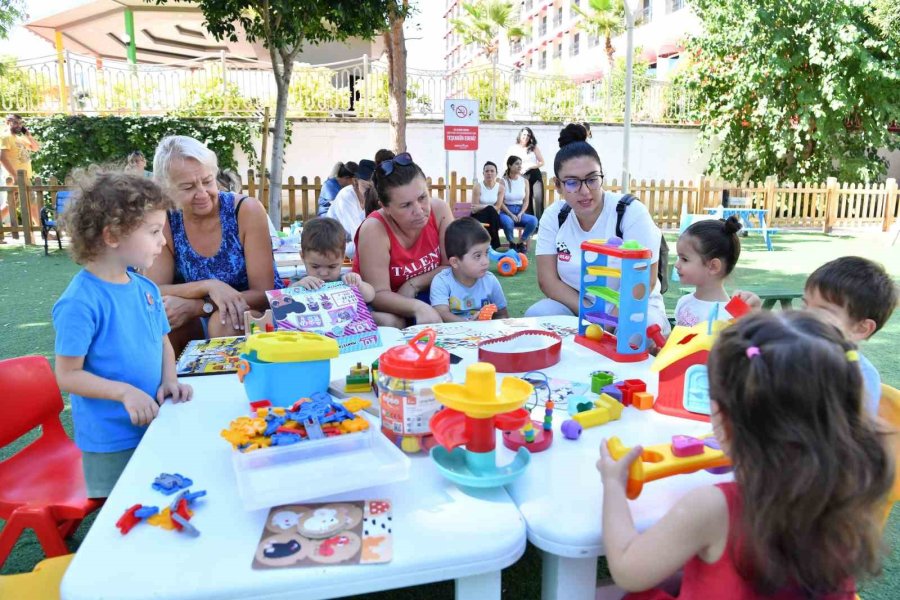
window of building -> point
(529, 4)
(542, 28)
(593, 40)
(543, 64)
(557, 19)
(675, 5)
(557, 50)
(573, 48)
(576, 3)
(645, 12)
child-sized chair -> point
(889, 411)
(50, 219)
(41, 584)
(41, 486)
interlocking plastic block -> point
(613, 390)
(629, 387)
(601, 379)
(593, 417)
(685, 445)
(168, 483)
(642, 400)
(614, 407)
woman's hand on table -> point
(229, 301)
(174, 391)
(425, 313)
(141, 407)
(179, 310)
(612, 470)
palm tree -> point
(606, 18)
(482, 24)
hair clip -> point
(852, 355)
(753, 351)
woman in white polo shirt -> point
(591, 215)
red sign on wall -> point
(460, 124)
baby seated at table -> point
(802, 518)
(460, 292)
(113, 355)
(322, 246)
(707, 252)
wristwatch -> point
(208, 307)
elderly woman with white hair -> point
(218, 260)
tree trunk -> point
(283, 68)
(610, 56)
(395, 42)
(494, 86)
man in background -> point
(16, 147)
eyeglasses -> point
(403, 159)
(573, 184)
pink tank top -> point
(721, 579)
(406, 263)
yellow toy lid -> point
(291, 346)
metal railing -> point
(213, 85)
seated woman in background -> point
(217, 262)
(349, 206)
(516, 200)
(341, 176)
(487, 198)
(401, 245)
(590, 213)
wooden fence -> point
(791, 205)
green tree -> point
(284, 27)
(492, 95)
(11, 11)
(886, 15)
(483, 23)
(606, 19)
(803, 90)
(209, 94)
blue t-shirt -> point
(465, 301)
(329, 190)
(871, 384)
(118, 328)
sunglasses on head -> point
(403, 159)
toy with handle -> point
(684, 454)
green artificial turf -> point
(30, 283)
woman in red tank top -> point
(812, 473)
(400, 246)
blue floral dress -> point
(228, 264)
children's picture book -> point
(210, 357)
(336, 310)
(331, 533)
(554, 388)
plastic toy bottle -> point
(406, 376)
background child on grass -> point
(707, 253)
(322, 251)
(459, 293)
(112, 353)
(802, 519)
(860, 296)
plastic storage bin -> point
(406, 375)
(316, 468)
(284, 366)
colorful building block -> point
(629, 387)
(601, 379)
(642, 400)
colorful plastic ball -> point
(594, 332)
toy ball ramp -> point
(465, 427)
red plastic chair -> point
(42, 486)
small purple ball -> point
(571, 429)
